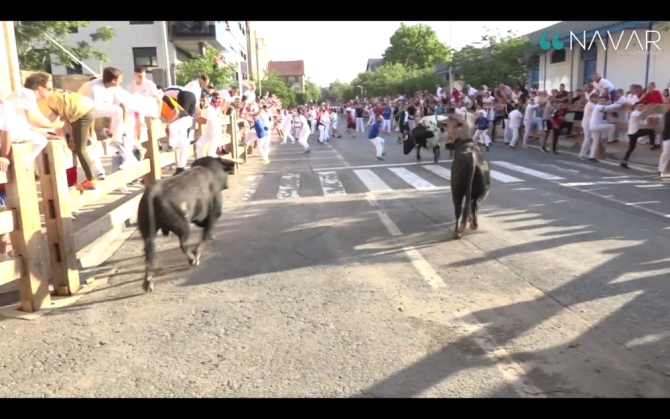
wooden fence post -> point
(58, 220)
(234, 137)
(27, 236)
(153, 152)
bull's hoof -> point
(463, 226)
(209, 237)
(456, 235)
(148, 285)
(474, 226)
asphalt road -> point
(333, 275)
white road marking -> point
(606, 182)
(630, 204)
(330, 184)
(553, 166)
(592, 168)
(372, 181)
(289, 185)
(653, 185)
(371, 166)
(250, 185)
(611, 199)
(527, 171)
(504, 178)
(414, 180)
(611, 163)
(511, 371)
(439, 171)
(307, 158)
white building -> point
(161, 44)
(627, 58)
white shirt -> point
(214, 127)
(439, 91)
(467, 101)
(23, 100)
(472, 91)
(530, 111)
(598, 115)
(312, 114)
(147, 88)
(325, 118)
(515, 118)
(194, 86)
(266, 119)
(588, 111)
(634, 122)
(604, 86)
(305, 126)
(587, 95)
(489, 99)
(286, 120)
(7, 116)
(96, 90)
(251, 96)
(462, 110)
(632, 98)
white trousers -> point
(586, 145)
(360, 125)
(264, 146)
(38, 140)
(482, 134)
(287, 135)
(665, 157)
(302, 138)
(507, 134)
(313, 122)
(515, 136)
(596, 131)
(528, 126)
(327, 131)
(371, 118)
(322, 133)
(123, 143)
(178, 139)
(378, 142)
(214, 143)
(386, 125)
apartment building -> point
(291, 72)
(162, 44)
(257, 61)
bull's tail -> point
(470, 176)
(149, 245)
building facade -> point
(257, 61)
(159, 44)
(626, 58)
(291, 72)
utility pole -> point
(258, 68)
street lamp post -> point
(361, 87)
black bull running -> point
(470, 180)
(425, 135)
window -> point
(141, 22)
(558, 56)
(291, 79)
(75, 69)
(590, 54)
(146, 57)
(74, 29)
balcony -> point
(193, 35)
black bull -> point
(173, 204)
(418, 138)
(470, 179)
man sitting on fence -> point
(110, 102)
(7, 128)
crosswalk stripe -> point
(526, 171)
(289, 185)
(372, 181)
(250, 186)
(439, 171)
(330, 184)
(595, 169)
(504, 178)
(412, 179)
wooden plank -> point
(27, 241)
(153, 155)
(11, 270)
(116, 180)
(115, 218)
(58, 221)
(8, 221)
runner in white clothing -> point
(529, 119)
(211, 116)
(515, 118)
(301, 127)
(598, 125)
(286, 123)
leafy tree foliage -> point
(507, 59)
(195, 67)
(393, 79)
(34, 50)
(416, 46)
(272, 84)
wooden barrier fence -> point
(65, 245)
(22, 221)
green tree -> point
(312, 92)
(195, 67)
(34, 50)
(416, 46)
(301, 98)
(390, 79)
(272, 84)
(507, 59)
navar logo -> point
(623, 44)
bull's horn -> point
(238, 161)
